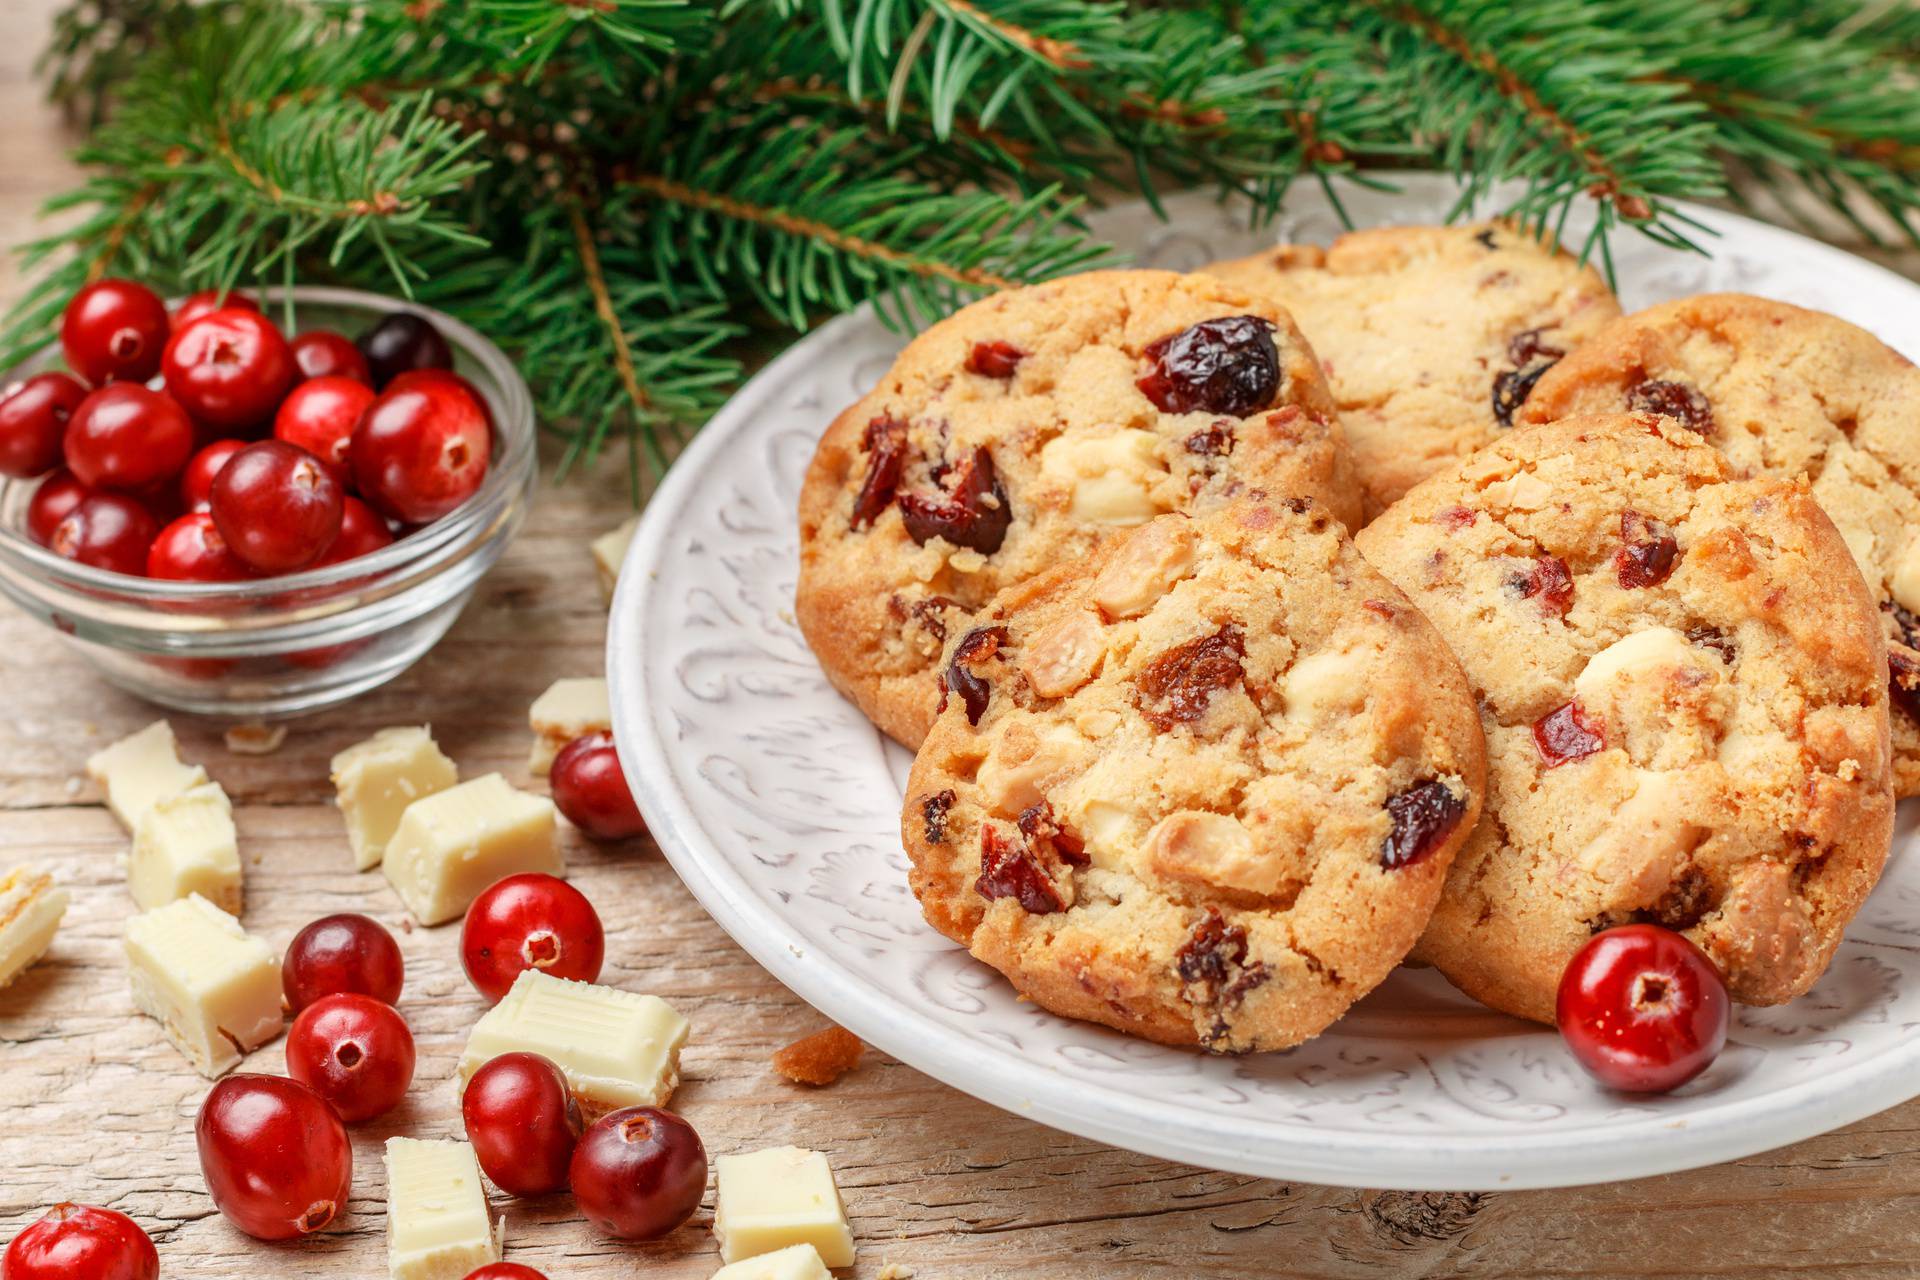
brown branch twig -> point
(603, 307)
(1063, 54)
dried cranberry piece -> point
(1212, 963)
(933, 815)
(1455, 518)
(1549, 581)
(1713, 638)
(1647, 558)
(1565, 734)
(1511, 389)
(1009, 871)
(1215, 440)
(1046, 834)
(1424, 815)
(994, 359)
(975, 513)
(977, 645)
(1526, 346)
(1903, 680)
(885, 443)
(1179, 684)
(1485, 237)
(1677, 400)
(1906, 626)
(1229, 366)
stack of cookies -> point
(1261, 628)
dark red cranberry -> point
(977, 646)
(124, 436)
(114, 330)
(974, 513)
(81, 1242)
(1178, 685)
(362, 532)
(229, 368)
(52, 499)
(994, 359)
(591, 790)
(277, 506)
(1643, 1009)
(319, 415)
(208, 301)
(421, 449)
(1647, 553)
(402, 341)
(1008, 869)
(1710, 637)
(1215, 440)
(192, 550)
(1548, 582)
(1228, 366)
(108, 531)
(344, 954)
(321, 353)
(933, 815)
(1423, 816)
(885, 444)
(1677, 400)
(638, 1173)
(33, 424)
(196, 482)
(1566, 734)
(523, 1123)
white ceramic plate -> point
(779, 806)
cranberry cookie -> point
(1020, 431)
(1430, 336)
(1203, 787)
(1681, 677)
(1784, 391)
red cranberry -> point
(124, 436)
(592, 791)
(639, 1172)
(361, 534)
(402, 341)
(530, 921)
(523, 1123)
(343, 954)
(319, 415)
(81, 1242)
(114, 330)
(33, 424)
(58, 494)
(996, 359)
(1566, 734)
(196, 482)
(277, 505)
(275, 1156)
(973, 513)
(107, 531)
(208, 301)
(506, 1271)
(1547, 581)
(422, 449)
(192, 550)
(1643, 1009)
(1421, 819)
(322, 353)
(229, 368)
(1228, 366)
(355, 1052)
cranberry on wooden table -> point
(319, 415)
(402, 341)
(124, 436)
(208, 301)
(362, 532)
(1643, 1009)
(343, 954)
(277, 505)
(81, 1242)
(33, 424)
(639, 1172)
(506, 1271)
(523, 1123)
(422, 448)
(114, 330)
(592, 792)
(196, 482)
(192, 550)
(354, 1051)
(275, 1156)
(107, 531)
(530, 921)
(229, 368)
(322, 353)
(56, 495)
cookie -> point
(1784, 391)
(1203, 787)
(1430, 336)
(1681, 678)
(1019, 432)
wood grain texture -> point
(98, 1108)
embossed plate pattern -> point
(779, 806)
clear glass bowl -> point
(280, 646)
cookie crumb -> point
(256, 739)
(821, 1058)
(894, 1271)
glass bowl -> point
(280, 646)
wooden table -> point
(94, 1106)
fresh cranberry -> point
(322, 353)
(530, 921)
(55, 496)
(124, 436)
(1643, 1009)
(592, 791)
(229, 368)
(81, 1242)
(639, 1172)
(277, 505)
(192, 550)
(402, 341)
(275, 1156)
(362, 533)
(33, 424)
(1228, 366)
(422, 449)
(107, 531)
(114, 330)
(355, 1052)
(343, 954)
(208, 301)
(196, 482)
(319, 415)
(506, 1271)
(523, 1123)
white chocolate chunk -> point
(774, 1199)
(1144, 567)
(1211, 848)
(454, 843)
(1323, 684)
(30, 909)
(186, 844)
(138, 770)
(213, 987)
(1110, 475)
(796, 1262)
(610, 551)
(1013, 775)
(1632, 658)
(438, 1223)
(616, 1048)
(1522, 492)
(377, 779)
(567, 710)
(1905, 584)
(1064, 654)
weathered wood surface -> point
(95, 1107)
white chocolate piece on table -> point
(610, 551)
(213, 987)
(139, 770)
(783, 1196)
(796, 1262)
(453, 844)
(617, 1049)
(377, 779)
(30, 909)
(438, 1223)
(186, 844)
(567, 710)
